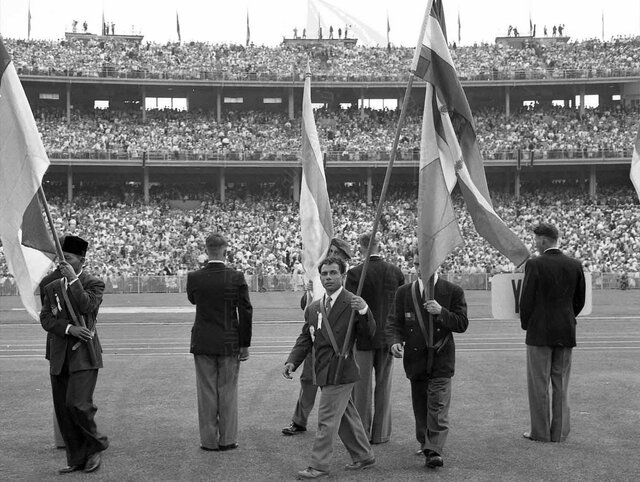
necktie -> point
(327, 305)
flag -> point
(316, 225)
(459, 29)
(28, 248)
(635, 164)
(530, 26)
(602, 20)
(178, 27)
(248, 30)
(388, 31)
(449, 153)
(29, 21)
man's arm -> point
(48, 320)
(394, 330)
(303, 344)
(580, 294)
(88, 297)
(455, 318)
(245, 314)
(527, 298)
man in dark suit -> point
(553, 294)
(220, 340)
(70, 300)
(308, 390)
(372, 354)
(428, 350)
(323, 334)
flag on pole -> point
(635, 164)
(29, 21)
(602, 25)
(316, 225)
(450, 153)
(248, 30)
(178, 27)
(28, 247)
(459, 28)
(388, 31)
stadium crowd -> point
(345, 134)
(112, 56)
(129, 238)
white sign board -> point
(506, 290)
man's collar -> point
(335, 294)
(215, 261)
(421, 284)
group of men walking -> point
(347, 344)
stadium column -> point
(516, 185)
(362, 103)
(145, 183)
(592, 181)
(222, 183)
(507, 101)
(69, 183)
(369, 185)
(582, 92)
(69, 103)
(296, 185)
(218, 104)
(143, 103)
(291, 104)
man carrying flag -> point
(635, 164)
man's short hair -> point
(365, 239)
(546, 229)
(216, 241)
(333, 260)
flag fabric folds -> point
(29, 21)
(28, 247)
(248, 30)
(450, 153)
(635, 164)
(316, 224)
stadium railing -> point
(342, 155)
(240, 76)
(289, 282)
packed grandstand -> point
(133, 234)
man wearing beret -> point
(308, 390)
(553, 294)
(70, 301)
(220, 340)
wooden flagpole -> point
(376, 221)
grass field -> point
(147, 402)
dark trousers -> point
(431, 400)
(75, 412)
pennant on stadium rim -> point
(28, 247)
(448, 124)
(178, 28)
(316, 225)
(29, 20)
(635, 164)
(248, 30)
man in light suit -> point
(429, 353)
(323, 334)
(553, 294)
(373, 356)
(220, 340)
(70, 300)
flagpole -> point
(56, 240)
(403, 114)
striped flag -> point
(316, 224)
(28, 248)
(635, 164)
(450, 153)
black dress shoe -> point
(433, 460)
(223, 448)
(293, 429)
(208, 448)
(70, 468)
(93, 462)
(361, 464)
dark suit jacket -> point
(85, 296)
(223, 310)
(326, 360)
(403, 326)
(380, 285)
(553, 294)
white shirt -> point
(333, 297)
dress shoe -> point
(361, 464)
(311, 473)
(93, 462)
(208, 449)
(224, 448)
(419, 452)
(528, 436)
(293, 429)
(433, 460)
(70, 468)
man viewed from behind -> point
(373, 356)
(553, 294)
(220, 340)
